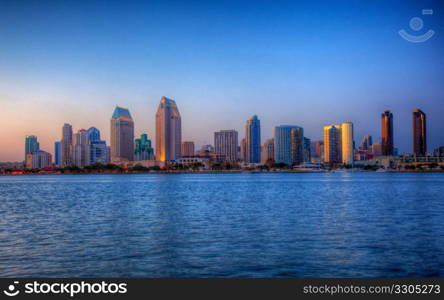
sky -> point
(308, 63)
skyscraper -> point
(419, 133)
(347, 143)
(81, 147)
(93, 134)
(267, 152)
(143, 149)
(58, 153)
(31, 144)
(168, 131)
(226, 144)
(243, 150)
(387, 133)
(122, 135)
(307, 149)
(187, 149)
(253, 140)
(318, 149)
(289, 144)
(67, 148)
(338, 143)
(366, 143)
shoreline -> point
(218, 172)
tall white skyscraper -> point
(168, 131)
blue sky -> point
(307, 63)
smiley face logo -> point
(416, 24)
(11, 290)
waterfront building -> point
(38, 160)
(93, 134)
(253, 140)
(288, 144)
(243, 150)
(31, 144)
(143, 149)
(122, 135)
(307, 149)
(377, 149)
(168, 131)
(67, 146)
(226, 145)
(187, 149)
(419, 133)
(366, 143)
(318, 149)
(81, 146)
(338, 143)
(387, 133)
(98, 153)
(267, 153)
(58, 153)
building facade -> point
(58, 154)
(419, 133)
(67, 146)
(267, 153)
(143, 149)
(226, 145)
(81, 146)
(387, 133)
(253, 140)
(31, 144)
(366, 143)
(339, 143)
(307, 149)
(289, 144)
(168, 131)
(187, 149)
(122, 135)
(38, 160)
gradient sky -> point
(307, 63)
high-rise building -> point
(387, 133)
(366, 143)
(318, 148)
(226, 144)
(98, 152)
(243, 150)
(307, 149)
(419, 133)
(347, 143)
(81, 148)
(168, 131)
(439, 152)
(93, 134)
(253, 140)
(31, 144)
(187, 149)
(58, 153)
(338, 143)
(67, 147)
(122, 135)
(38, 160)
(267, 153)
(143, 149)
(289, 144)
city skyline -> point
(288, 63)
